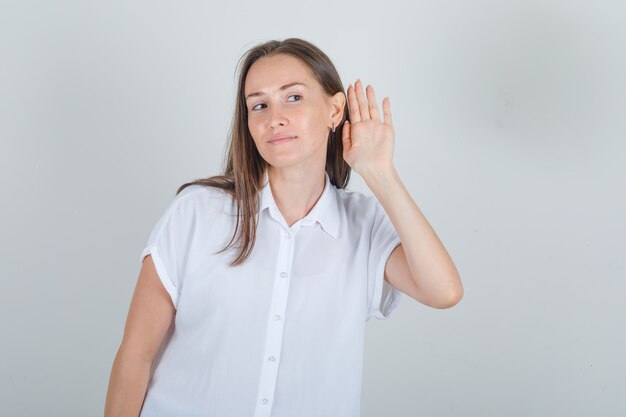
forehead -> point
(270, 73)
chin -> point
(287, 159)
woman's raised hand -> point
(367, 140)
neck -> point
(296, 190)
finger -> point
(373, 104)
(355, 115)
(345, 136)
(387, 111)
(363, 109)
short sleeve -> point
(383, 298)
(166, 244)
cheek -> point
(253, 127)
(251, 124)
(312, 122)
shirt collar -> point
(324, 212)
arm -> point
(420, 266)
(149, 317)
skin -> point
(296, 168)
(420, 266)
(149, 317)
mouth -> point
(282, 140)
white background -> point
(510, 122)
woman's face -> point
(279, 108)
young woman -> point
(272, 321)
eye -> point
(261, 104)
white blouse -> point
(281, 335)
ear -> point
(337, 105)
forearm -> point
(430, 264)
(127, 385)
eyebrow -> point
(284, 87)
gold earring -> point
(333, 127)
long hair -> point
(245, 168)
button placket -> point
(275, 325)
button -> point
(276, 317)
(283, 274)
(272, 358)
(287, 236)
(264, 400)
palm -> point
(367, 141)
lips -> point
(281, 139)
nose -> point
(276, 117)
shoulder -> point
(358, 207)
(201, 196)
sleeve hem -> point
(161, 272)
(386, 298)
